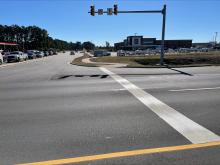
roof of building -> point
(8, 43)
(135, 36)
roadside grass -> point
(172, 60)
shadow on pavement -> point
(102, 76)
(181, 72)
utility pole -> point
(114, 10)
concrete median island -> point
(172, 60)
(79, 61)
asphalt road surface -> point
(51, 110)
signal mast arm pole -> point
(163, 12)
(163, 36)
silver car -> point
(16, 56)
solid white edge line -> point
(193, 89)
(191, 130)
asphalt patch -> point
(62, 77)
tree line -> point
(33, 37)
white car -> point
(16, 56)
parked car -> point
(50, 52)
(25, 56)
(54, 52)
(98, 53)
(16, 56)
(107, 53)
(185, 50)
(46, 53)
(5, 53)
(139, 52)
(39, 54)
(204, 50)
(72, 53)
(31, 54)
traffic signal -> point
(116, 9)
(92, 10)
(109, 11)
(100, 11)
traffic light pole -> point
(163, 12)
(163, 36)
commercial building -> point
(204, 45)
(139, 42)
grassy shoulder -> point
(177, 60)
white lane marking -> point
(116, 90)
(122, 89)
(185, 126)
(195, 89)
(210, 74)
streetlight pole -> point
(163, 12)
(216, 34)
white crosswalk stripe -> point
(185, 126)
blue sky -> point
(69, 19)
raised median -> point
(171, 60)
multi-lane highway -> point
(59, 113)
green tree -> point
(88, 45)
(33, 37)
